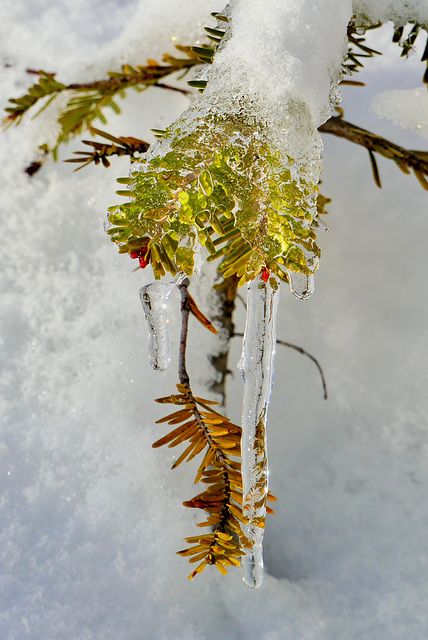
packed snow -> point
(90, 515)
(278, 55)
(399, 11)
(406, 107)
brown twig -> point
(185, 311)
(182, 369)
(226, 292)
(149, 74)
(304, 353)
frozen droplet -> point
(301, 284)
(257, 366)
(154, 298)
(320, 224)
(252, 567)
(335, 97)
(107, 224)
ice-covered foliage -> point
(220, 175)
(244, 162)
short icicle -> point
(154, 298)
(257, 366)
(301, 285)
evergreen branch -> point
(102, 152)
(46, 86)
(407, 44)
(89, 100)
(99, 90)
(207, 429)
(403, 158)
(357, 51)
(212, 434)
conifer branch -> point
(209, 432)
(407, 44)
(121, 146)
(99, 90)
(89, 100)
(404, 159)
(357, 51)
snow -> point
(399, 11)
(406, 107)
(91, 516)
(279, 59)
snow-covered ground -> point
(90, 515)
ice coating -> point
(226, 174)
(257, 366)
(154, 298)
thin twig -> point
(226, 298)
(303, 352)
(182, 370)
(185, 310)
(148, 76)
(161, 85)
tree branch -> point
(416, 160)
(149, 74)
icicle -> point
(154, 298)
(256, 364)
(301, 285)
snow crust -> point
(90, 515)
(399, 11)
(406, 107)
(279, 58)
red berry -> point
(134, 254)
(265, 274)
(143, 261)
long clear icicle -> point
(154, 298)
(257, 366)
